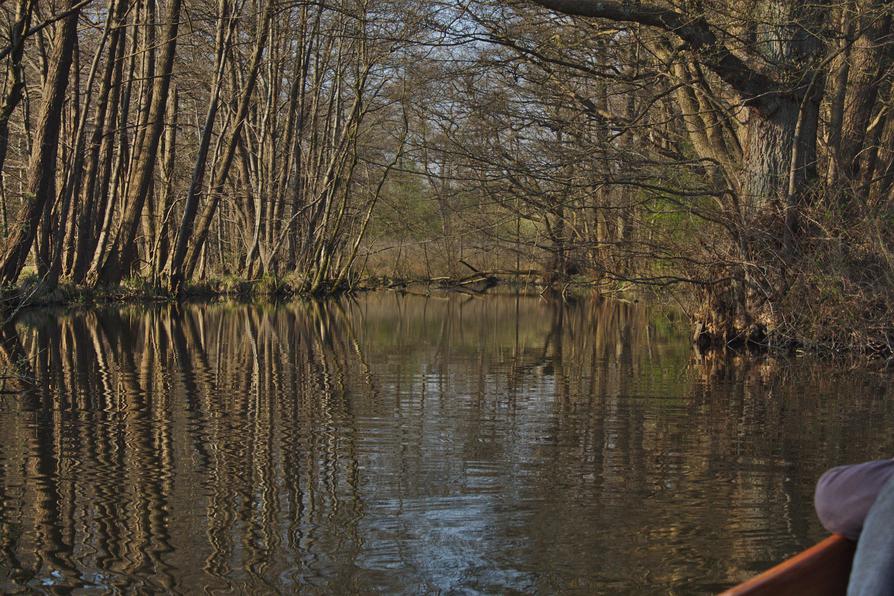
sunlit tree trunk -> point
(203, 225)
(40, 186)
(15, 78)
(161, 242)
(174, 268)
(117, 261)
(121, 254)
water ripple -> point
(399, 445)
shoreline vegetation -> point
(30, 294)
(756, 340)
(734, 158)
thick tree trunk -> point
(767, 158)
(869, 61)
(776, 164)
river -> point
(409, 444)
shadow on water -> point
(405, 444)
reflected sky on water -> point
(404, 444)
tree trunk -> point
(115, 267)
(174, 269)
(220, 178)
(42, 166)
(112, 165)
(161, 243)
(15, 79)
(869, 61)
(767, 158)
(108, 95)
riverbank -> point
(29, 293)
(794, 337)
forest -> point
(734, 157)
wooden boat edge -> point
(822, 569)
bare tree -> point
(41, 175)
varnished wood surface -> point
(821, 570)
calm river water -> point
(409, 445)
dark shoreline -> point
(754, 342)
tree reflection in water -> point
(408, 444)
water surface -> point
(403, 444)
